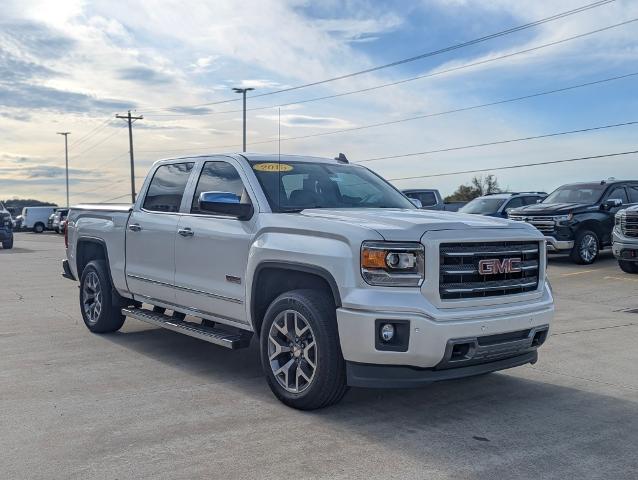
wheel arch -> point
(272, 278)
(89, 249)
(596, 227)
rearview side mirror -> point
(225, 203)
(612, 203)
(417, 203)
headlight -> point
(618, 218)
(563, 218)
(392, 264)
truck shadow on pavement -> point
(499, 425)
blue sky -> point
(71, 65)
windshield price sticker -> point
(272, 167)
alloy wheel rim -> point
(292, 351)
(92, 297)
(588, 248)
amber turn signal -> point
(373, 258)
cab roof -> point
(260, 157)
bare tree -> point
(477, 187)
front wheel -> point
(100, 313)
(8, 244)
(300, 351)
(628, 267)
(38, 228)
(586, 247)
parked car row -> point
(578, 219)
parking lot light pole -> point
(66, 161)
(243, 92)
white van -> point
(35, 218)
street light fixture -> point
(243, 92)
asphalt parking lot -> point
(150, 403)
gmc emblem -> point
(494, 266)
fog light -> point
(387, 332)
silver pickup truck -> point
(342, 280)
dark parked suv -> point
(579, 218)
(6, 230)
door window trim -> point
(191, 187)
(141, 198)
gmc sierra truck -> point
(340, 278)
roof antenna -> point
(341, 158)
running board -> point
(214, 335)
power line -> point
(499, 142)
(91, 133)
(96, 144)
(419, 117)
(420, 56)
(510, 167)
(406, 80)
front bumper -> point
(432, 331)
(396, 376)
(554, 245)
(624, 248)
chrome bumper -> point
(554, 245)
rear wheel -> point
(8, 244)
(38, 227)
(586, 247)
(100, 313)
(300, 351)
(628, 267)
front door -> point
(211, 250)
(150, 235)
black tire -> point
(38, 227)
(109, 318)
(8, 244)
(328, 384)
(586, 247)
(627, 266)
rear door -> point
(211, 250)
(151, 231)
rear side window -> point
(427, 199)
(633, 193)
(219, 177)
(167, 187)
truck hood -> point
(407, 225)
(550, 208)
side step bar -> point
(216, 335)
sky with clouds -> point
(72, 65)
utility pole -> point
(130, 143)
(243, 92)
(66, 161)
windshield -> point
(482, 205)
(293, 186)
(588, 194)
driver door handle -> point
(185, 232)
(134, 227)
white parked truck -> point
(342, 280)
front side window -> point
(515, 203)
(633, 193)
(167, 187)
(293, 186)
(621, 194)
(219, 176)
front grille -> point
(459, 275)
(629, 224)
(544, 224)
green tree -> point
(478, 186)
